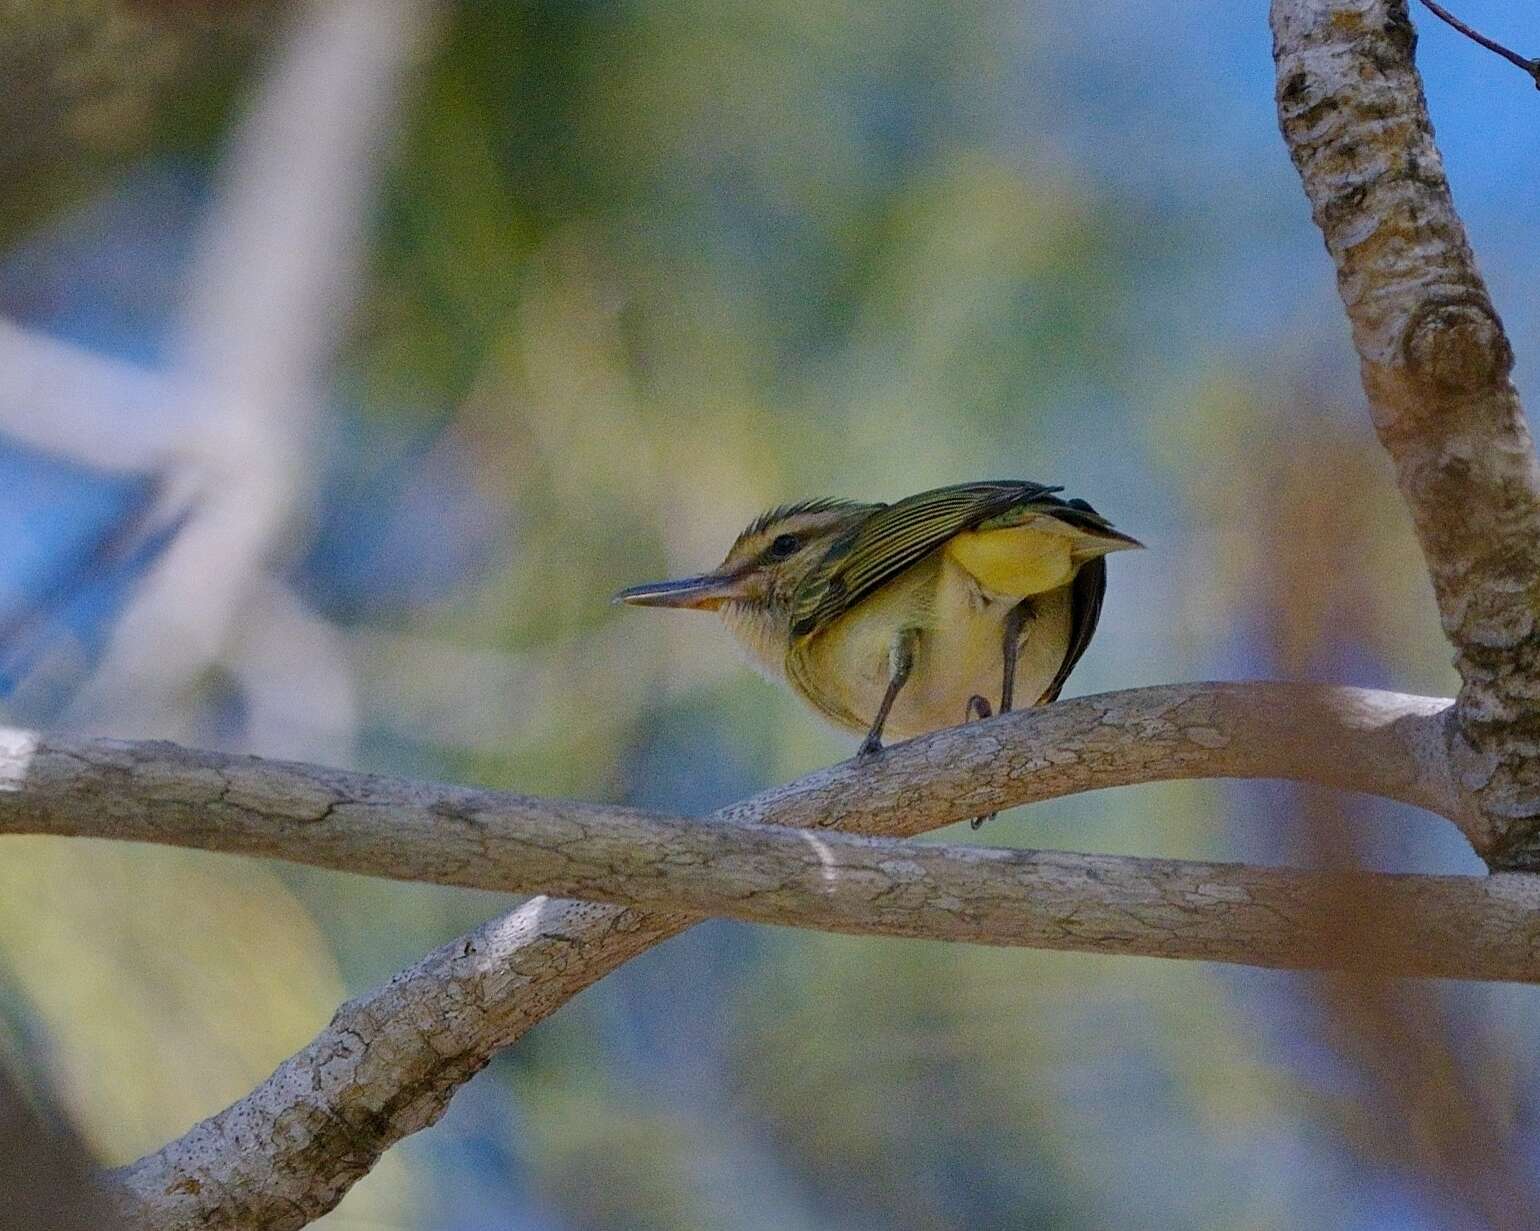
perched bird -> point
(903, 618)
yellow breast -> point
(843, 670)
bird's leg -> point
(900, 663)
(1015, 620)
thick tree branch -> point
(385, 1067)
(1357, 739)
(1456, 926)
(1435, 364)
(390, 1062)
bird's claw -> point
(979, 707)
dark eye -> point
(784, 545)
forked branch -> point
(1435, 364)
(390, 1062)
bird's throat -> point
(764, 632)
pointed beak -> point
(704, 593)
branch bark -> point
(1452, 926)
(1356, 739)
(389, 1063)
(1435, 366)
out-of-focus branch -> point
(1435, 364)
(64, 399)
(48, 1178)
(1416, 1088)
(227, 431)
(393, 1059)
(269, 290)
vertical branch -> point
(1435, 365)
(1418, 1095)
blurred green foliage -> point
(651, 267)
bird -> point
(899, 619)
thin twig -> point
(1532, 67)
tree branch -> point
(385, 1067)
(1435, 365)
(389, 1063)
(267, 293)
(65, 399)
(1356, 739)
(1453, 926)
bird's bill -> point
(704, 593)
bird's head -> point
(767, 564)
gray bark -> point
(747, 863)
(391, 1061)
(1356, 739)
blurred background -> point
(353, 353)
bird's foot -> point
(870, 747)
(978, 707)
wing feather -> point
(900, 535)
(1085, 609)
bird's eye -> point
(784, 545)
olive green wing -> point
(1085, 609)
(900, 535)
